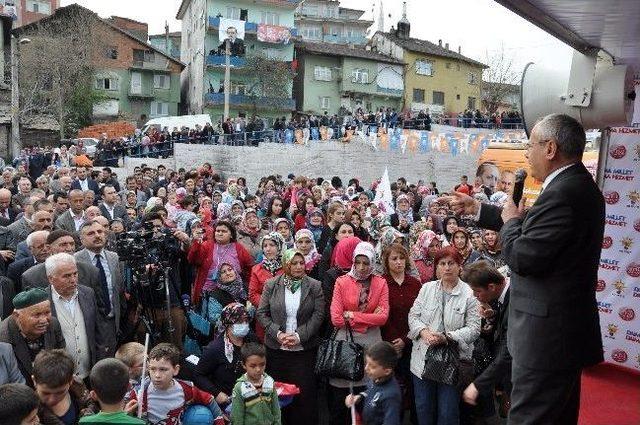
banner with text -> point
(618, 288)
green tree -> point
(270, 81)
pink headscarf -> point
(421, 247)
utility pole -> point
(227, 77)
(14, 146)
(166, 38)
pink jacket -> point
(345, 298)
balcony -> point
(219, 60)
(217, 99)
(338, 39)
(249, 27)
(150, 66)
(141, 94)
(390, 92)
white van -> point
(189, 121)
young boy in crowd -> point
(109, 383)
(254, 399)
(381, 402)
(132, 355)
(62, 398)
(19, 405)
(165, 398)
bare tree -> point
(57, 70)
(498, 80)
(270, 80)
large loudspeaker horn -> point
(543, 91)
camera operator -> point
(166, 244)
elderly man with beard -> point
(31, 329)
(94, 239)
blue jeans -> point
(436, 403)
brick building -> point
(29, 11)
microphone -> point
(186, 301)
(518, 186)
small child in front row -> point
(254, 399)
(165, 398)
(109, 384)
(19, 405)
(381, 403)
(132, 355)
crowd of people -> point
(250, 283)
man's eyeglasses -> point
(529, 145)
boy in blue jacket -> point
(381, 403)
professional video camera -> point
(145, 246)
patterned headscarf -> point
(275, 264)
(233, 313)
(223, 211)
(367, 250)
(406, 215)
(316, 230)
(244, 228)
(312, 258)
(293, 284)
(387, 237)
(235, 288)
(420, 250)
(289, 243)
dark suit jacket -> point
(22, 251)
(20, 230)
(7, 292)
(10, 333)
(118, 212)
(499, 370)
(91, 184)
(272, 313)
(7, 240)
(17, 268)
(12, 217)
(554, 253)
(93, 321)
(9, 371)
(88, 275)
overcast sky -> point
(481, 27)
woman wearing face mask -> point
(250, 233)
(268, 268)
(305, 244)
(360, 299)
(423, 253)
(221, 362)
(291, 311)
(227, 289)
(344, 230)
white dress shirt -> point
(553, 175)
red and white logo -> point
(633, 269)
(627, 314)
(612, 197)
(601, 285)
(636, 225)
(607, 241)
(617, 151)
(619, 355)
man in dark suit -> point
(111, 208)
(553, 251)
(490, 287)
(83, 182)
(72, 219)
(7, 213)
(37, 243)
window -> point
(457, 97)
(161, 81)
(141, 56)
(360, 76)
(418, 95)
(438, 98)
(424, 67)
(39, 7)
(472, 78)
(325, 102)
(233, 12)
(159, 109)
(111, 52)
(312, 33)
(457, 67)
(106, 83)
(322, 73)
(471, 103)
(447, 65)
(270, 18)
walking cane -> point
(353, 406)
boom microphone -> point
(518, 186)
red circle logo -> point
(633, 269)
(612, 197)
(619, 355)
(636, 225)
(607, 242)
(627, 314)
(601, 285)
(617, 151)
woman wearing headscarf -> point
(306, 245)
(283, 226)
(314, 221)
(221, 362)
(360, 299)
(237, 212)
(460, 241)
(250, 233)
(404, 217)
(268, 268)
(227, 288)
(291, 311)
(223, 212)
(209, 255)
(388, 237)
(423, 252)
(443, 309)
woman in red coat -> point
(269, 267)
(209, 255)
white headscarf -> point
(366, 249)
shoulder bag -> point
(342, 359)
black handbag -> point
(342, 359)
(442, 362)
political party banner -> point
(423, 141)
(384, 197)
(273, 34)
(225, 29)
(618, 287)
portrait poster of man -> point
(232, 30)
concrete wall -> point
(326, 159)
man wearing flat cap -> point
(31, 329)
